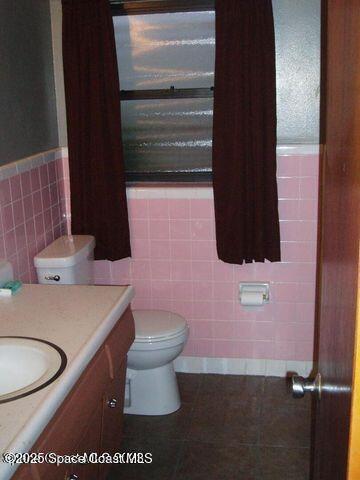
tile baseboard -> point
(242, 366)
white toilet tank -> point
(68, 260)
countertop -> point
(77, 318)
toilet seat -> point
(153, 326)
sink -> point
(27, 365)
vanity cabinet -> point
(91, 417)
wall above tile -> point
(28, 117)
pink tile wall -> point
(31, 214)
(175, 267)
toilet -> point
(151, 385)
(68, 260)
(160, 336)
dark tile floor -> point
(229, 428)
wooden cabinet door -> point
(76, 420)
(90, 443)
(28, 472)
(112, 425)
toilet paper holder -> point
(255, 287)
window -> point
(166, 68)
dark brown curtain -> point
(98, 195)
(244, 143)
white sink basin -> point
(27, 365)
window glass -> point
(172, 135)
(159, 50)
(156, 52)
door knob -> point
(301, 385)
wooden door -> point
(339, 240)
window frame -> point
(146, 7)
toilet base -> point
(152, 392)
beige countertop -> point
(77, 318)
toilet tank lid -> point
(66, 251)
(151, 324)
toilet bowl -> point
(151, 385)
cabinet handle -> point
(72, 476)
(112, 403)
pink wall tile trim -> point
(30, 213)
(175, 266)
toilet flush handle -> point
(56, 278)
(112, 403)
